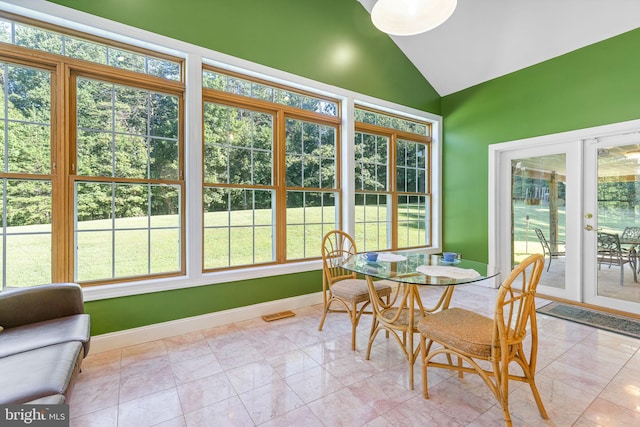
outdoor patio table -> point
(631, 244)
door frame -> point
(499, 227)
(502, 225)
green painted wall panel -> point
(140, 310)
(331, 41)
(592, 86)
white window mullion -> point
(348, 168)
(193, 173)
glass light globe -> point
(409, 17)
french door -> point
(538, 195)
(611, 220)
(563, 196)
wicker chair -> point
(473, 338)
(341, 286)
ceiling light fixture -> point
(409, 17)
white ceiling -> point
(485, 39)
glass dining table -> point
(408, 272)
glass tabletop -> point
(420, 268)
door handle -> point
(588, 227)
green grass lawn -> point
(119, 249)
(28, 248)
(525, 241)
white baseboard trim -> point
(120, 339)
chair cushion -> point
(54, 399)
(29, 337)
(460, 329)
(403, 319)
(39, 373)
(356, 290)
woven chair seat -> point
(461, 329)
(356, 290)
(390, 313)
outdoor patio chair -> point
(340, 285)
(630, 240)
(610, 252)
(488, 346)
(547, 247)
(631, 234)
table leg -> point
(388, 317)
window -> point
(311, 186)
(26, 176)
(93, 158)
(373, 210)
(92, 181)
(412, 198)
(392, 202)
(266, 91)
(127, 190)
(239, 195)
(269, 196)
(87, 48)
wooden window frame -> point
(130, 79)
(281, 114)
(392, 191)
(63, 131)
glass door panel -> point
(539, 195)
(615, 233)
(538, 217)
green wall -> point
(331, 41)
(139, 310)
(592, 86)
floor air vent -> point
(277, 316)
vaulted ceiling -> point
(485, 39)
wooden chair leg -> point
(424, 351)
(324, 316)
(530, 376)
(538, 399)
(501, 373)
(387, 303)
(410, 354)
(354, 325)
(423, 358)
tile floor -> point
(287, 373)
